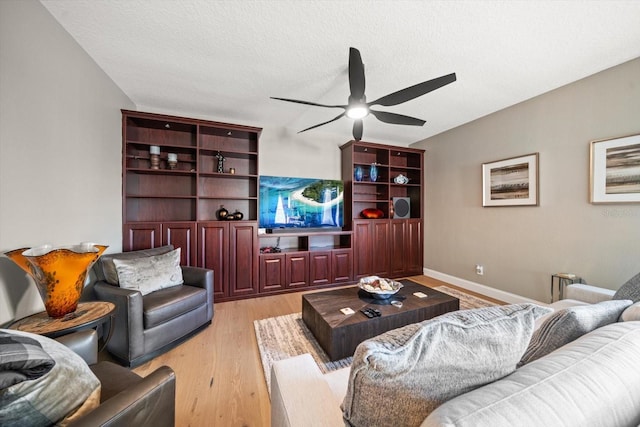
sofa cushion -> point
(150, 274)
(399, 377)
(49, 399)
(629, 290)
(592, 381)
(568, 324)
(107, 269)
(166, 304)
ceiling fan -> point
(357, 106)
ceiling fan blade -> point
(357, 129)
(308, 103)
(356, 75)
(396, 119)
(414, 91)
(324, 123)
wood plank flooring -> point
(218, 372)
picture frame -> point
(615, 170)
(511, 182)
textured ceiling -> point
(222, 60)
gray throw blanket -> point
(21, 358)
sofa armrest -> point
(83, 343)
(127, 340)
(150, 402)
(588, 293)
(295, 382)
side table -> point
(563, 279)
(87, 315)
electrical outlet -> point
(479, 269)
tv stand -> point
(307, 259)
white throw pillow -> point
(150, 274)
(401, 376)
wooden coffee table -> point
(339, 334)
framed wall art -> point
(615, 170)
(511, 182)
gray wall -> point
(60, 146)
(520, 247)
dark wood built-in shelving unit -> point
(385, 247)
(178, 206)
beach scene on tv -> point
(290, 203)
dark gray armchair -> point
(146, 326)
(126, 399)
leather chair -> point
(126, 399)
(146, 326)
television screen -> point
(288, 203)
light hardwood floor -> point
(218, 372)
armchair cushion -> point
(150, 274)
(106, 269)
(167, 304)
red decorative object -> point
(371, 213)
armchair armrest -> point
(295, 382)
(150, 402)
(83, 343)
(196, 276)
(201, 278)
(588, 293)
(128, 332)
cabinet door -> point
(213, 244)
(320, 268)
(181, 235)
(243, 250)
(141, 236)
(272, 272)
(397, 248)
(380, 248)
(413, 244)
(297, 270)
(341, 265)
(362, 246)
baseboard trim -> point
(477, 287)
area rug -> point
(287, 336)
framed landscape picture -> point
(615, 170)
(511, 182)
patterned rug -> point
(287, 336)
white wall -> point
(60, 146)
(520, 247)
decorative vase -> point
(373, 172)
(222, 213)
(358, 173)
(59, 273)
(238, 215)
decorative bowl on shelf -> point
(372, 213)
(401, 179)
(378, 287)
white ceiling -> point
(222, 60)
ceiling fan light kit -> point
(357, 108)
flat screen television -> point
(292, 204)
